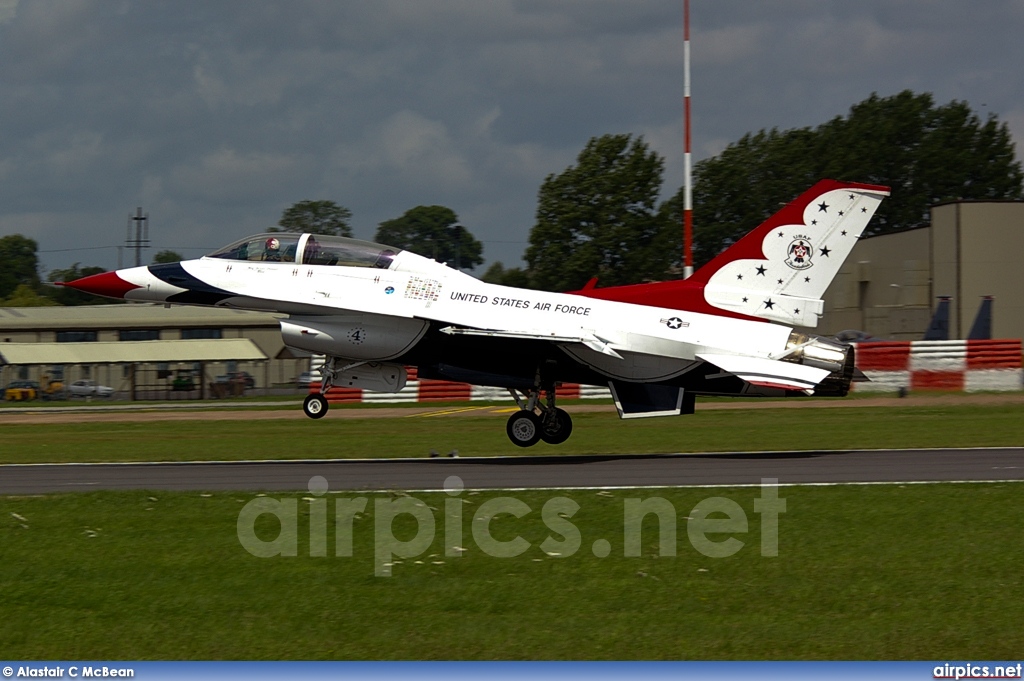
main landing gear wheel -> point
(523, 428)
(556, 426)
(315, 405)
(526, 427)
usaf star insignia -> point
(674, 323)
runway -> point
(539, 472)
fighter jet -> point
(374, 310)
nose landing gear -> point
(526, 427)
(315, 405)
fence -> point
(958, 365)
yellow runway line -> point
(444, 412)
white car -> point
(84, 388)
(307, 377)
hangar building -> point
(890, 284)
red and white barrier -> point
(959, 365)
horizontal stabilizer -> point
(642, 400)
(768, 373)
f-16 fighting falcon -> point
(373, 310)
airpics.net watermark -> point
(729, 518)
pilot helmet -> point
(273, 243)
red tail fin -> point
(778, 271)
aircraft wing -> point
(769, 373)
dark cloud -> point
(216, 116)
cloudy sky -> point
(215, 116)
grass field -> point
(863, 572)
(483, 434)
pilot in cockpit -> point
(272, 250)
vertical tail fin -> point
(938, 328)
(781, 269)
(982, 327)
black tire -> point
(315, 406)
(523, 428)
(557, 429)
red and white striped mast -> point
(687, 174)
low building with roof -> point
(115, 345)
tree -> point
(497, 273)
(926, 153)
(18, 264)
(315, 217)
(167, 256)
(26, 296)
(63, 295)
(599, 218)
(433, 232)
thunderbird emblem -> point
(800, 252)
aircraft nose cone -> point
(107, 284)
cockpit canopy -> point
(309, 249)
